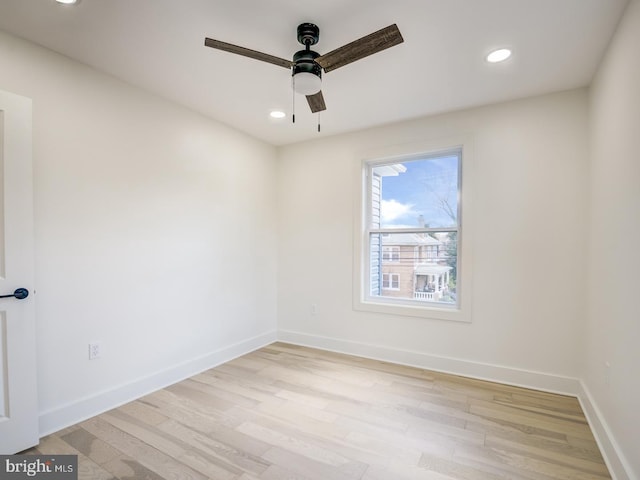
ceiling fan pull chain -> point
(318, 122)
(293, 100)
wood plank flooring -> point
(286, 412)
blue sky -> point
(421, 190)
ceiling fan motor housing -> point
(305, 61)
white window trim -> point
(391, 306)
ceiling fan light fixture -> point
(67, 2)
(306, 83)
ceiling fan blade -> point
(363, 47)
(247, 52)
(316, 102)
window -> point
(412, 228)
(391, 254)
(391, 281)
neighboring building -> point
(414, 266)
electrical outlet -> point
(314, 309)
(95, 350)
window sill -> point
(388, 307)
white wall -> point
(613, 326)
(155, 233)
(530, 195)
(156, 229)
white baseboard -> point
(80, 410)
(617, 464)
(466, 368)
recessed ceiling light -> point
(277, 114)
(67, 2)
(499, 55)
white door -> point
(18, 395)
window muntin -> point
(413, 210)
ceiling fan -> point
(307, 65)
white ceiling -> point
(158, 45)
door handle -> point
(19, 293)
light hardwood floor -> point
(287, 412)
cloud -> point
(391, 210)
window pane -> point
(416, 193)
(426, 269)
